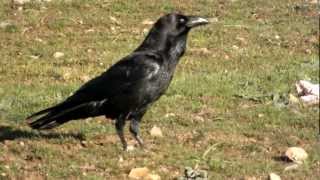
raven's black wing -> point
(120, 82)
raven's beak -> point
(194, 21)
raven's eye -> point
(182, 20)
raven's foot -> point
(139, 141)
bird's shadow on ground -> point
(11, 133)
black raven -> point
(129, 87)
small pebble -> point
(138, 173)
(273, 176)
(21, 143)
(147, 22)
(84, 78)
(130, 148)
(156, 132)
(84, 143)
(120, 159)
(152, 177)
(58, 55)
(296, 154)
(4, 24)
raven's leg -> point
(134, 129)
(120, 122)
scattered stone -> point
(89, 30)
(130, 148)
(212, 20)
(34, 56)
(21, 143)
(152, 177)
(273, 176)
(121, 159)
(235, 47)
(3, 174)
(113, 19)
(139, 173)
(260, 115)
(7, 142)
(242, 40)
(198, 118)
(156, 132)
(84, 78)
(147, 22)
(169, 115)
(113, 29)
(145, 30)
(38, 40)
(200, 50)
(308, 51)
(84, 143)
(58, 55)
(4, 24)
(296, 154)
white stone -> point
(147, 22)
(58, 55)
(130, 148)
(273, 176)
(156, 132)
(296, 154)
(153, 177)
(4, 24)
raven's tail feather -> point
(56, 116)
(39, 113)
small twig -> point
(212, 147)
(209, 149)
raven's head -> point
(178, 24)
(170, 33)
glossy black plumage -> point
(129, 87)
